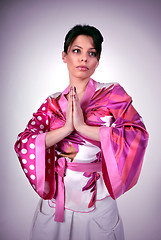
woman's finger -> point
(69, 117)
(70, 97)
(78, 118)
(75, 98)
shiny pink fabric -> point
(123, 140)
(40, 165)
(110, 167)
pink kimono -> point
(78, 171)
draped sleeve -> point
(37, 162)
(123, 144)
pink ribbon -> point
(59, 210)
(61, 165)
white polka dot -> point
(34, 136)
(45, 101)
(44, 114)
(40, 131)
(33, 123)
(49, 160)
(42, 126)
(43, 108)
(48, 150)
(47, 122)
(25, 170)
(18, 145)
(25, 140)
(24, 151)
(49, 171)
(24, 161)
(31, 167)
(33, 186)
(32, 146)
(32, 156)
(39, 118)
(32, 177)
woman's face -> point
(81, 57)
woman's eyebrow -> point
(82, 48)
(77, 46)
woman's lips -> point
(82, 68)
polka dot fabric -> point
(26, 148)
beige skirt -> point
(103, 223)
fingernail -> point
(75, 89)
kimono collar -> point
(89, 92)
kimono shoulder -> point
(105, 85)
(123, 143)
(55, 95)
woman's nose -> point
(84, 58)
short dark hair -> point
(88, 31)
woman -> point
(82, 149)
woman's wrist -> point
(67, 130)
(81, 127)
(57, 135)
(89, 131)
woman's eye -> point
(93, 54)
(76, 50)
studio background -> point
(31, 41)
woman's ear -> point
(64, 57)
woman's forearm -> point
(89, 131)
(56, 136)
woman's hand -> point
(69, 112)
(74, 114)
(75, 118)
(91, 132)
(78, 118)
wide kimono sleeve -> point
(37, 162)
(123, 144)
